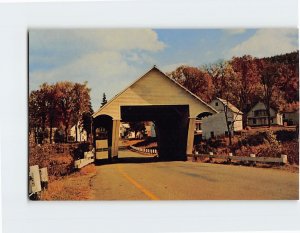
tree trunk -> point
(66, 132)
(50, 133)
(76, 129)
(269, 116)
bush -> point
(78, 152)
(291, 149)
(59, 136)
(286, 135)
(58, 158)
(253, 139)
(263, 144)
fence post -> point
(253, 163)
(211, 154)
(44, 177)
(34, 182)
(229, 157)
(284, 159)
(195, 156)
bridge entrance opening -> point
(171, 126)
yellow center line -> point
(137, 185)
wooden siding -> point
(154, 88)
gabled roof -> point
(154, 68)
(264, 108)
(230, 106)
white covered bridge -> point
(155, 97)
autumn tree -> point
(36, 113)
(81, 103)
(226, 83)
(248, 78)
(269, 78)
(195, 80)
(86, 121)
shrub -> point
(291, 149)
(286, 135)
(58, 158)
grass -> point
(72, 187)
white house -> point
(81, 133)
(124, 129)
(291, 117)
(257, 116)
(216, 125)
(150, 129)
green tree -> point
(104, 100)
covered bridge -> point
(155, 97)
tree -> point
(195, 80)
(65, 104)
(225, 82)
(249, 82)
(87, 120)
(42, 110)
(137, 127)
(104, 100)
(269, 77)
(35, 113)
(81, 103)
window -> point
(198, 126)
(260, 113)
(254, 121)
(212, 134)
(217, 104)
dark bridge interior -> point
(171, 126)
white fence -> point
(252, 158)
(88, 158)
(38, 180)
(144, 150)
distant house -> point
(124, 129)
(81, 133)
(216, 125)
(150, 129)
(291, 117)
(257, 116)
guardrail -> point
(252, 158)
(38, 181)
(144, 150)
(89, 157)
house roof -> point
(230, 106)
(260, 102)
(154, 68)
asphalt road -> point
(138, 177)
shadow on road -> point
(129, 160)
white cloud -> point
(99, 56)
(105, 72)
(90, 39)
(268, 42)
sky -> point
(111, 59)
